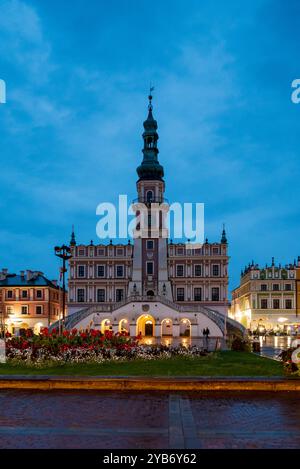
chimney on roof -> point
(22, 273)
(29, 275)
(35, 274)
(3, 274)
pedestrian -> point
(205, 334)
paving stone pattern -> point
(148, 420)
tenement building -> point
(28, 301)
(267, 298)
(150, 286)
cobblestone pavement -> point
(149, 421)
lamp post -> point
(3, 329)
(64, 252)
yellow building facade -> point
(268, 299)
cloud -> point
(72, 128)
(22, 42)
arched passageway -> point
(166, 327)
(185, 328)
(145, 325)
(106, 325)
(124, 325)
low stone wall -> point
(48, 383)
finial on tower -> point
(224, 238)
(150, 97)
(73, 240)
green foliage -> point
(240, 345)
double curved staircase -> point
(226, 324)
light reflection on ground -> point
(212, 343)
(272, 346)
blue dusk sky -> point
(77, 75)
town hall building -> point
(150, 286)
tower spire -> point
(150, 169)
(224, 238)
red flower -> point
(24, 344)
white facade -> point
(155, 286)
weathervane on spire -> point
(150, 96)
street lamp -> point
(64, 252)
(3, 323)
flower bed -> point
(288, 358)
(86, 347)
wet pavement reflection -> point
(148, 420)
(272, 346)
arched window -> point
(149, 142)
(149, 196)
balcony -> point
(153, 200)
